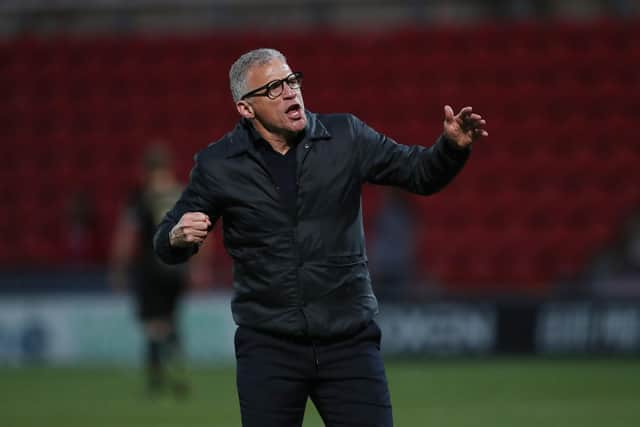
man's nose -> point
(287, 92)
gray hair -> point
(239, 69)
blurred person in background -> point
(615, 271)
(392, 253)
(157, 287)
(79, 238)
(287, 183)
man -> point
(157, 287)
(287, 183)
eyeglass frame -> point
(275, 83)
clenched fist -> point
(192, 229)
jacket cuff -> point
(170, 254)
(451, 151)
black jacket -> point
(306, 275)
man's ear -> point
(245, 109)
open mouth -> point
(294, 111)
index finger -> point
(466, 111)
(198, 216)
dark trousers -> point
(344, 378)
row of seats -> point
(536, 202)
(524, 37)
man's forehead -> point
(272, 70)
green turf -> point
(495, 393)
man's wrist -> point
(453, 144)
(452, 150)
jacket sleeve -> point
(415, 168)
(198, 196)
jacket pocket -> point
(250, 255)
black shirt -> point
(282, 168)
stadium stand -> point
(557, 176)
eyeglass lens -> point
(274, 90)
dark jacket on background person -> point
(305, 275)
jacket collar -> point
(243, 136)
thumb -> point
(448, 113)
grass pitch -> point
(492, 393)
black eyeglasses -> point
(274, 88)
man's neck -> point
(279, 142)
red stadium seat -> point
(547, 189)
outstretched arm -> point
(417, 168)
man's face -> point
(284, 114)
